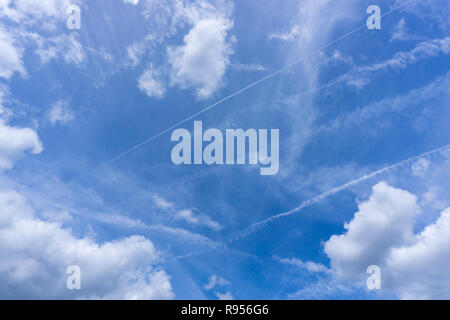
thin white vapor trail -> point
(258, 225)
(236, 93)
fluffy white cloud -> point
(14, 142)
(420, 271)
(34, 255)
(202, 61)
(151, 84)
(10, 56)
(60, 112)
(382, 233)
(384, 221)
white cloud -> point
(293, 33)
(200, 220)
(28, 25)
(400, 31)
(30, 12)
(359, 76)
(10, 56)
(425, 49)
(65, 46)
(162, 203)
(248, 67)
(14, 142)
(4, 93)
(133, 2)
(186, 237)
(225, 296)
(121, 220)
(325, 288)
(203, 59)
(34, 255)
(187, 215)
(420, 271)
(60, 112)
(135, 52)
(384, 221)
(436, 90)
(151, 83)
(413, 266)
(420, 167)
(214, 281)
(308, 265)
(436, 11)
(433, 198)
(61, 216)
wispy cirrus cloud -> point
(360, 76)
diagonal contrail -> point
(236, 93)
(258, 225)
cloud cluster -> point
(28, 25)
(60, 113)
(201, 61)
(14, 142)
(413, 265)
(34, 255)
(151, 83)
(31, 12)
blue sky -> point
(363, 123)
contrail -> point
(258, 225)
(238, 92)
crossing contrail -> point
(258, 225)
